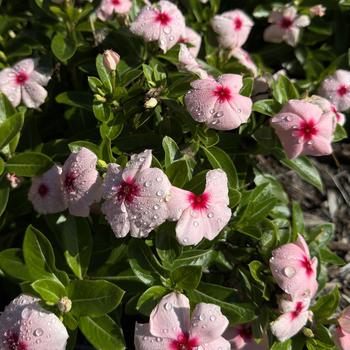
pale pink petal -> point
(208, 323)
(103, 16)
(275, 16)
(144, 340)
(274, 34)
(39, 78)
(204, 84)
(189, 63)
(123, 7)
(216, 185)
(177, 203)
(33, 94)
(302, 244)
(241, 337)
(7, 76)
(45, 193)
(145, 26)
(170, 316)
(82, 184)
(234, 81)
(27, 65)
(12, 92)
(137, 163)
(219, 343)
(344, 320)
(117, 217)
(24, 316)
(302, 21)
(342, 76)
(244, 59)
(194, 39)
(112, 180)
(290, 12)
(341, 338)
(286, 326)
(291, 36)
(320, 146)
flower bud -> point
(64, 305)
(110, 60)
(151, 103)
(318, 10)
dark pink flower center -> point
(116, 2)
(163, 18)
(298, 310)
(223, 93)
(21, 77)
(43, 190)
(199, 202)
(127, 191)
(342, 90)
(307, 265)
(238, 23)
(69, 181)
(183, 342)
(307, 129)
(246, 332)
(12, 342)
(286, 22)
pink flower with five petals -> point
(171, 327)
(303, 129)
(135, 196)
(23, 82)
(203, 215)
(108, 7)
(162, 22)
(294, 270)
(217, 103)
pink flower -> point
(294, 270)
(25, 325)
(24, 83)
(45, 193)
(341, 335)
(14, 180)
(170, 326)
(295, 314)
(108, 7)
(329, 109)
(217, 103)
(136, 196)
(81, 182)
(244, 59)
(192, 38)
(318, 10)
(285, 26)
(233, 28)
(241, 338)
(336, 88)
(303, 129)
(189, 63)
(203, 215)
(110, 60)
(162, 22)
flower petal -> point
(117, 217)
(170, 316)
(33, 94)
(144, 340)
(137, 163)
(274, 34)
(178, 202)
(208, 323)
(112, 180)
(219, 343)
(233, 81)
(27, 65)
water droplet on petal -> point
(159, 193)
(289, 271)
(212, 318)
(158, 179)
(147, 184)
(168, 306)
(38, 332)
(201, 317)
(167, 30)
(210, 215)
(156, 207)
(195, 223)
(185, 240)
(310, 142)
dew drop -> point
(155, 217)
(210, 215)
(38, 332)
(156, 207)
(289, 271)
(219, 114)
(159, 179)
(25, 313)
(212, 318)
(167, 30)
(159, 193)
(168, 307)
(201, 317)
(147, 184)
(195, 223)
(185, 240)
(310, 142)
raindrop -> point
(195, 223)
(158, 179)
(212, 318)
(289, 271)
(159, 193)
(194, 214)
(310, 142)
(185, 240)
(141, 159)
(159, 339)
(210, 215)
(155, 217)
(212, 111)
(168, 306)
(239, 110)
(219, 114)
(167, 30)
(201, 317)
(171, 38)
(147, 184)
(294, 127)
(38, 332)
(156, 207)
(214, 122)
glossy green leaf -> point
(49, 290)
(9, 128)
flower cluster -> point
(137, 199)
(25, 325)
(296, 274)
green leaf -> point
(103, 73)
(220, 159)
(268, 107)
(179, 172)
(63, 47)
(102, 111)
(305, 169)
(12, 263)
(39, 257)
(326, 305)
(150, 298)
(144, 264)
(77, 146)
(236, 313)
(297, 220)
(171, 150)
(331, 258)
(4, 197)
(102, 332)
(94, 298)
(187, 277)
(2, 168)
(77, 244)
(339, 133)
(6, 108)
(284, 90)
(29, 164)
(49, 290)
(10, 128)
(195, 257)
(286, 345)
(80, 99)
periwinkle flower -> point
(109, 7)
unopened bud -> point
(308, 332)
(14, 180)
(99, 98)
(110, 60)
(318, 10)
(102, 164)
(64, 305)
(151, 103)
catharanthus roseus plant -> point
(170, 172)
